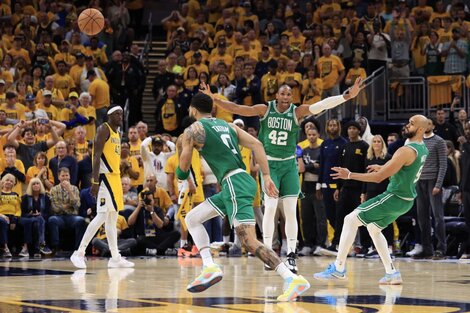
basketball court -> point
(159, 285)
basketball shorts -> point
(235, 200)
(383, 209)
(285, 176)
(110, 196)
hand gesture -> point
(353, 91)
(269, 187)
(340, 173)
(205, 89)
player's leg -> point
(78, 257)
(111, 234)
(392, 276)
(211, 273)
(270, 207)
(337, 270)
(296, 284)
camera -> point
(144, 196)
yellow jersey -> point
(111, 156)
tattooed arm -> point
(247, 235)
(193, 137)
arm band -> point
(181, 175)
(326, 104)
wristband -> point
(349, 175)
(180, 174)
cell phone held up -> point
(43, 121)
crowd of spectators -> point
(56, 84)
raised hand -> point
(353, 91)
(205, 89)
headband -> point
(114, 109)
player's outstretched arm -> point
(250, 142)
(403, 156)
(243, 110)
(330, 102)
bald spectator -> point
(162, 80)
(62, 160)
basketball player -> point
(217, 142)
(278, 133)
(106, 184)
(377, 213)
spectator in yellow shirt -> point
(331, 71)
(18, 50)
(99, 92)
(294, 80)
(90, 128)
(62, 80)
(13, 109)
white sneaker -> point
(78, 260)
(120, 262)
(151, 252)
(416, 250)
(305, 251)
(317, 251)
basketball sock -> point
(381, 246)
(111, 233)
(194, 220)
(259, 218)
(285, 273)
(270, 207)
(183, 242)
(226, 239)
(348, 234)
(290, 212)
(206, 256)
(91, 230)
(237, 240)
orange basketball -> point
(91, 21)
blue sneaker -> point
(391, 279)
(330, 274)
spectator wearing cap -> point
(57, 98)
(47, 106)
(348, 194)
(265, 62)
(193, 48)
(77, 69)
(99, 92)
(456, 52)
(65, 54)
(270, 82)
(62, 80)
(28, 147)
(198, 63)
(220, 55)
(13, 109)
(73, 115)
(32, 112)
(154, 159)
(17, 50)
(90, 65)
